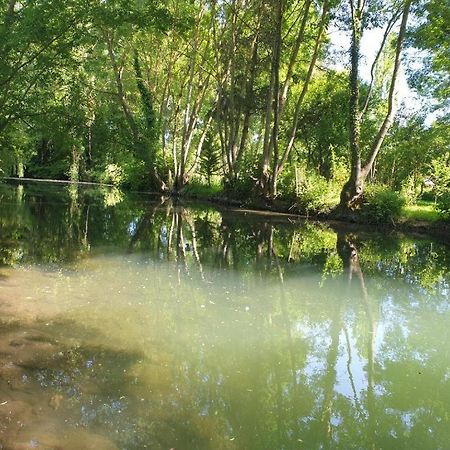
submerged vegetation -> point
(237, 99)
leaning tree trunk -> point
(376, 145)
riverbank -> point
(409, 222)
(412, 221)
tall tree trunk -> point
(276, 99)
(118, 71)
(271, 120)
(280, 162)
(354, 186)
(272, 157)
(352, 191)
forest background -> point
(237, 99)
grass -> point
(198, 189)
(422, 211)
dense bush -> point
(240, 189)
(195, 188)
(316, 195)
(428, 195)
(441, 176)
(410, 191)
(381, 204)
(443, 203)
(113, 174)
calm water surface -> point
(130, 323)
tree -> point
(274, 158)
(239, 69)
(352, 191)
(322, 131)
(431, 36)
(118, 24)
(36, 42)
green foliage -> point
(315, 194)
(423, 211)
(443, 203)
(407, 153)
(152, 127)
(137, 14)
(123, 92)
(243, 188)
(195, 188)
(440, 173)
(323, 125)
(113, 174)
(431, 36)
(13, 150)
(410, 191)
(210, 159)
(135, 175)
(381, 204)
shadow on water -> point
(131, 324)
(44, 380)
(60, 394)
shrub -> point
(240, 189)
(381, 204)
(195, 188)
(428, 196)
(113, 174)
(443, 203)
(409, 190)
(287, 183)
(441, 177)
(315, 194)
(135, 175)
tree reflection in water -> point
(161, 325)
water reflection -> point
(142, 324)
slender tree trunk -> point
(248, 95)
(272, 154)
(118, 71)
(294, 54)
(271, 120)
(278, 167)
(276, 99)
(378, 142)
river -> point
(129, 322)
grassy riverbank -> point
(421, 217)
(422, 211)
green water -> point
(130, 323)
